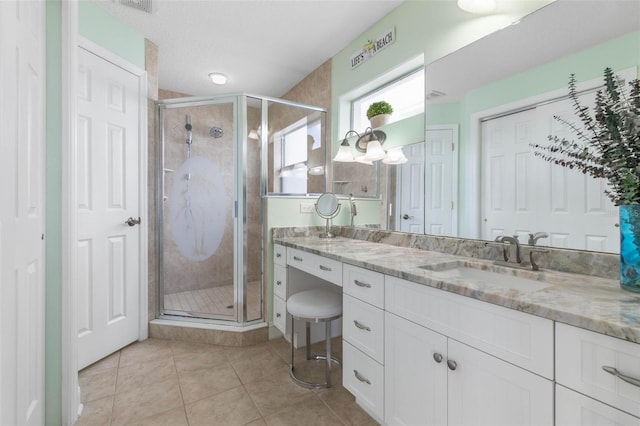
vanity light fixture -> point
(219, 78)
(370, 143)
(344, 154)
(477, 6)
(395, 156)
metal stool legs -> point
(327, 356)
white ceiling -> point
(265, 46)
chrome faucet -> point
(510, 253)
(353, 210)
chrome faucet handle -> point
(533, 238)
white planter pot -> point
(379, 120)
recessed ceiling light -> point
(218, 78)
(477, 6)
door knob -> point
(132, 222)
(406, 216)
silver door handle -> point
(361, 284)
(361, 377)
(361, 326)
(615, 372)
(406, 216)
(132, 222)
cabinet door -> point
(484, 390)
(415, 384)
(573, 408)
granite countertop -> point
(593, 303)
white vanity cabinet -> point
(453, 360)
(294, 271)
(598, 378)
(280, 287)
(363, 336)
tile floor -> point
(163, 382)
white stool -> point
(318, 306)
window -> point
(406, 96)
(301, 154)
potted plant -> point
(379, 113)
(607, 146)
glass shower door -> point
(198, 241)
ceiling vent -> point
(144, 5)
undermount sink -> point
(460, 270)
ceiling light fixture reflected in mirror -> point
(219, 78)
(477, 6)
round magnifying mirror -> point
(327, 208)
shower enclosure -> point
(215, 163)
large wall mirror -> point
(489, 101)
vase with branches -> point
(607, 146)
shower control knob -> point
(132, 222)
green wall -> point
(425, 31)
(107, 31)
(53, 220)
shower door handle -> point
(132, 222)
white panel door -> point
(508, 182)
(107, 195)
(439, 169)
(22, 269)
(484, 390)
(522, 193)
(410, 215)
(415, 382)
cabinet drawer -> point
(580, 358)
(363, 377)
(327, 269)
(522, 339)
(363, 327)
(279, 255)
(280, 281)
(280, 314)
(364, 284)
(573, 408)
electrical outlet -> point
(306, 208)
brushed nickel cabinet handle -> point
(437, 357)
(278, 254)
(361, 284)
(361, 326)
(615, 372)
(361, 377)
(325, 268)
(299, 259)
(278, 282)
(452, 364)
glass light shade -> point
(362, 160)
(477, 6)
(374, 151)
(344, 154)
(253, 134)
(316, 171)
(395, 156)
